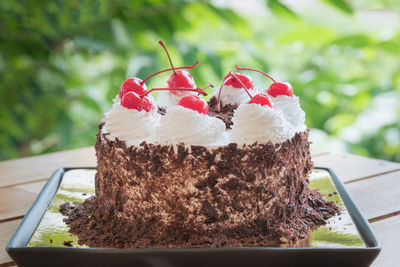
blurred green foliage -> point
(61, 63)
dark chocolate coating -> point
(165, 196)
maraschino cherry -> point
(176, 69)
(276, 88)
(132, 100)
(180, 78)
(195, 103)
(139, 87)
(135, 85)
(260, 99)
(246, 80)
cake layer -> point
(176, 196)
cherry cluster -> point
(239, 80)
(133, 92)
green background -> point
(62, 62)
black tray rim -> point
(31, 220)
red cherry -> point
(132, 85)
(261, 99)
(161, 71)
(246, 80)
(195, 103)
(146, 104)
(280, 89)
(181, 79)
(132, 101)
(232, 79)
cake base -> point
(101, 234)
(162, 196)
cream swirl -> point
(233, 96)
(130, 125)
(182, 125)
(255, 123)
(290, 107)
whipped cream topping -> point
(233, 96)
(252, 122)
(255, 123)
(182, 125)
(290, 107)
(130, 125)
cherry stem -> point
(184, 67)
(240, 81)
(197, 90)
(208, 85)
(220, 90)
(259, 71)
(219, 98)
(170, 61)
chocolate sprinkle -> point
(67, 243)
(65, 208)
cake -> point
(232, 172)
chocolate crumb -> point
(68, 243)
(65, 208)
(225, 114)
(162, 110)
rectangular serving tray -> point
(236, 256)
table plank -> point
(34, 187)
(352, 167)
(7, 229)
(41, 167)
(318, 152)
(378, 195)
(388, 232)
(16, 201)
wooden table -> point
(373, 184)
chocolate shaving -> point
(68, 243)
(225, 114)
(252, 195)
